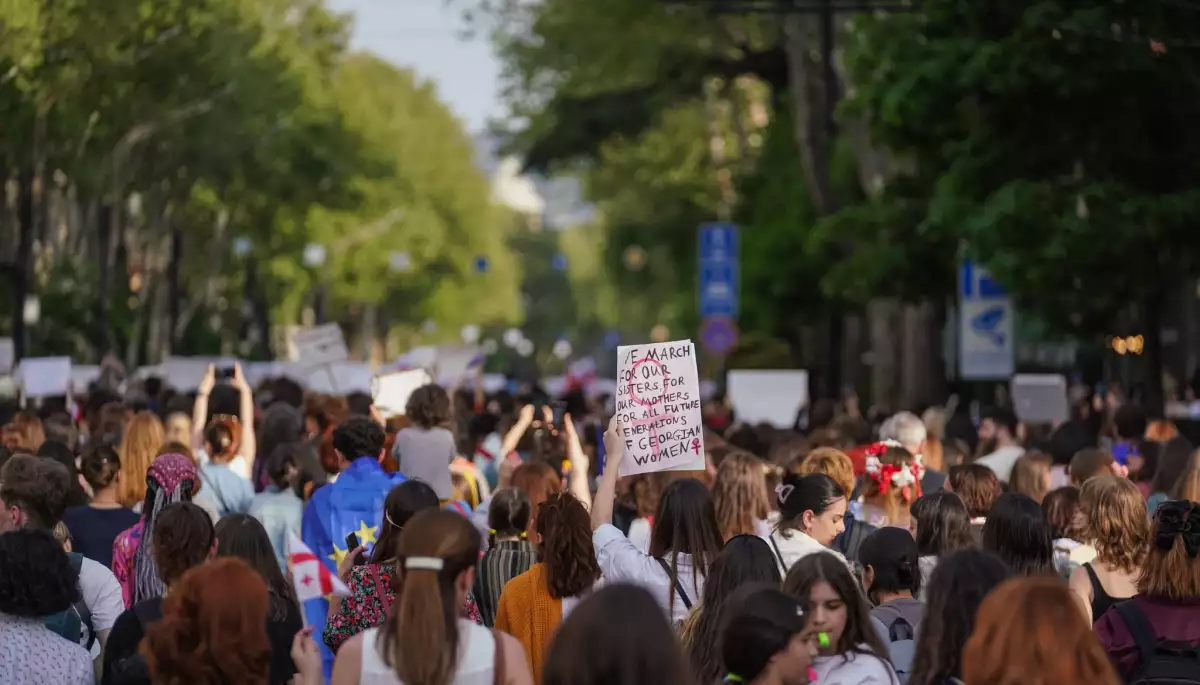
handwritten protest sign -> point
(658, 405)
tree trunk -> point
(21, 262)
(105, 240)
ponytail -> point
(436, 548)
(566, 547)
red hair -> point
(538, 480)
(213, 630)
(1030, 631)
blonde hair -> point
(1116, 521)
(1029, 475)
(740, 495)
(831, 462)
(139, 446)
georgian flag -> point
(313, 580)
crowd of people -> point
(489, 539)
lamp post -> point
(314, 258)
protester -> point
(183, 539)
(1031, 475)
(534, 603)
(1017, 532)
(892, 581)
(509, 554)
(617, 636)
(1027, 631)
(172, 478)
(941, 526)
(1061, 508)
(1114, 518)
(892, 484)
(851, 651)
(958, 586)
(1088, 464)
(811, 509)
(767, 639)
(37, 580)
(212, 629)
(685, 531)
(1175, 459)
(95, 527)
(978, 487)
(282, 424)
(140, 442)
(438, 551)
(277, 507)
(740, 496)
(239, 454)
(223, 487)
(909, 431)
(1166, 610)
(835, 464)
(745, 560)
(61, 453)
(998, 438)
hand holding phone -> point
(355, 554)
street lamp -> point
(314, 258)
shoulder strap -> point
(499, 677)
(82, 610)
(1139, 628)
(379, 591)
(778, 554)
(220, 495)
(687, 601)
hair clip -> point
(524, 535)
(424, 564)
(732, 678)
(492, 531)
(783, 491)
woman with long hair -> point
(1061, 507)
(170, 479)
(1115, 524)
(139, 446)
(1017, 532)
(509, 554)
(534, 603)
(892, 484)
(372, 585)
(1031, 475)
(1166, 609)
(213, 628)
(838, 466)
(95, 526)
(941, 526)
(811, 512)
(420, 642)
(278, 508)
(1173, 460)
(978, 486)
(767, 639)
(617, 636)
(740, 496)
(683, 545)
(1028, 631)
(224, 488)
(851, 649)
(243, 537)
(745, 560)
(958, 586)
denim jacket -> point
(279, 511)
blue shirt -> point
(227, 491)
(351, 504)
(280, 512)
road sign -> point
(719, 335)
(985, 326)
(718, 272)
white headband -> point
(424, 564)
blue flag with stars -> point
(351, 504)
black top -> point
(94, 530)
(1101, 600)
(127, 634)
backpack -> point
(1163, 662)
(75, 623)
(131, 669)
(900, 637)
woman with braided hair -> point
(1166, 610)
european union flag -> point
(351, 504)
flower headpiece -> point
(892, 475)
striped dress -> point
(503, 562)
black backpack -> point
(74, 624)
(1163, 662)
(131, 669)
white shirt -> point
(1002, 461)
(854, 668)
(639, 534)
(622, 562)
(476, 658)
(32, 654)
(793, 546)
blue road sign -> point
(718, 273)
(985, 331)
(559, 262)
(481, 264)
(719, 335)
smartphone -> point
(225, 373)
(352, 544)
(560, 410)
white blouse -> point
(476, 658)
(622, 562)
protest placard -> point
(44, 376)
(391, 391)
(319, 346)
(767, 396)
(658, 408)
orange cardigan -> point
(528, 613)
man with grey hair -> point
(908, 429)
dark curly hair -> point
(38, 487)
(211, 632)
(36, 578)
(183, 538)
(358, 436)
(429, 407)
(566, 545)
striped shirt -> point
(500, 564)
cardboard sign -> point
(774, 397)
(392, 391)
(44, 376)
(185, 373)
(319, 346)
(658, 405)
(454, 362)
(1040, 398)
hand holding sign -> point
(614, 444)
